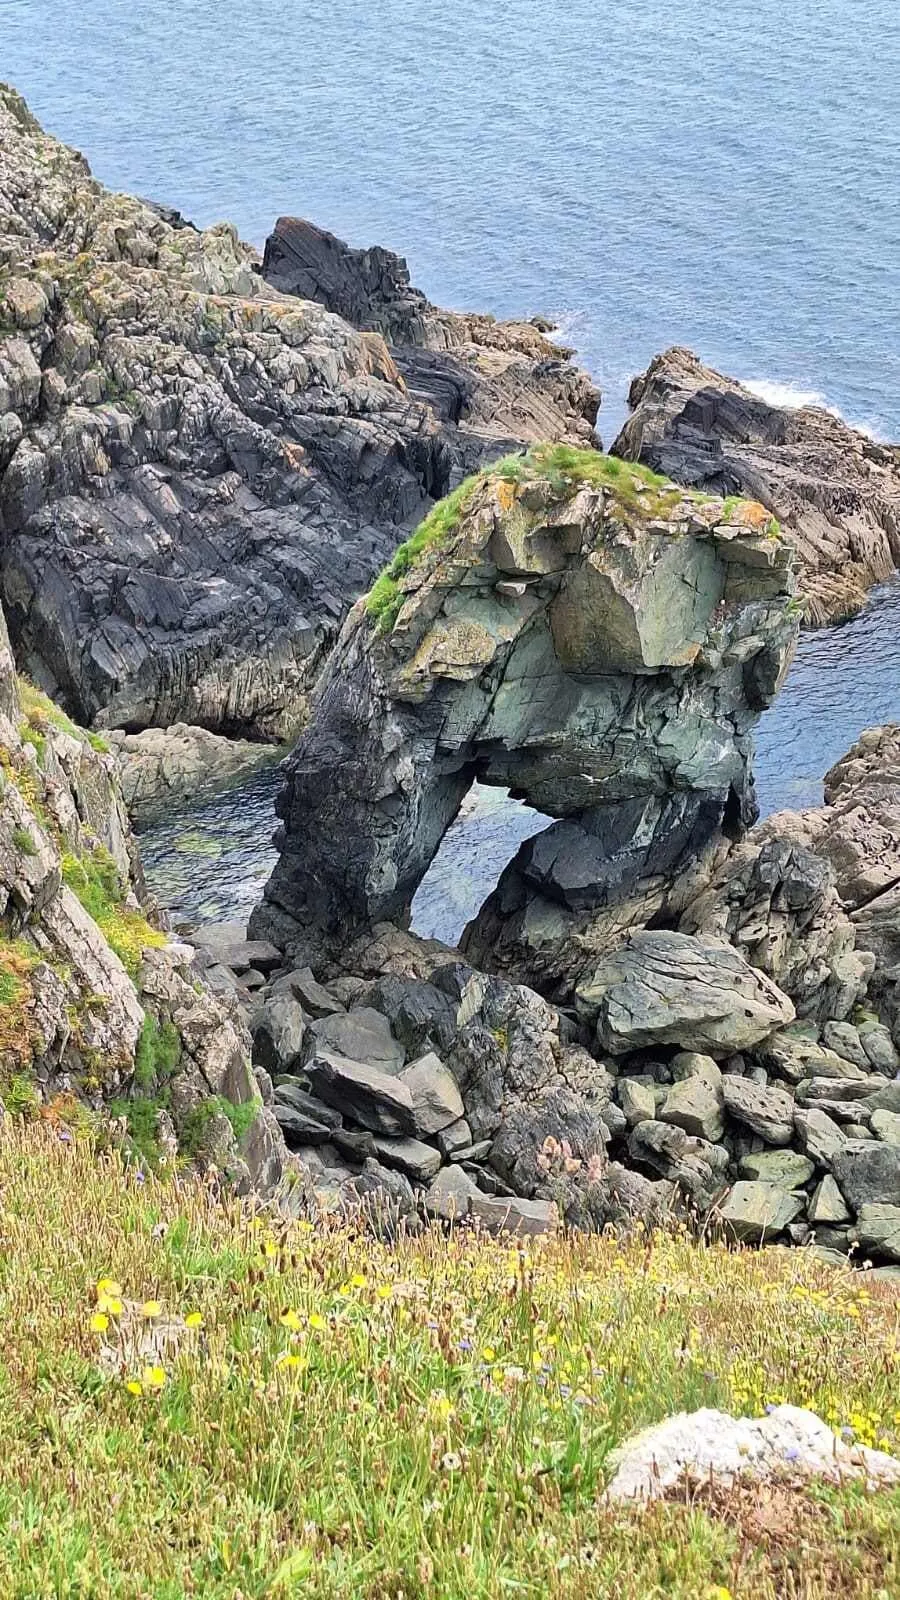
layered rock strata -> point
(835, 491)
(198, 473)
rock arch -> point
(568, 625)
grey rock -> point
(361, 1034)
(637, 1101)
(162, 766)
(699, 1168)
(448, 1196)
(299, 1127)
(819, 1136)
(753, 1212)
(827, 1204)
(878, 1229)
(508, 1214)
(419, 1161)
(474, 1153)
(868, 1174)
(374, 1099)
(691, 1064)
(787, 1169)
(672, 988)
(293, 1094)
(436, 1100)
(225, 944)
(458, 1136)
(880, 1049)
(696, 1105)
(768, 1111)
(278, 1027)
(354, 1144)
(884, 1099)
(886, 1126)
(316, 1000)
(845, 1040)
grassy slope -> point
(441, 1424)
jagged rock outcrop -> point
(835, 491)
(582, 632)
(98, 1009)
(164, 765)
(199, 473)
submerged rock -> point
(835, 490)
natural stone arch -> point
(596, 639)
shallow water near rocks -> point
(210, 860)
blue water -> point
(726, 176)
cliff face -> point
(99, 1012)
(583, 632)
(835, 491)
(199, 472)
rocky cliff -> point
(579, 630)
(835, 491)
(102, 1016)
(199, 471)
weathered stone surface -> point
(710, 1447)
(300, 1127)
(637, 1100)
(831, 487)
(447, 676)
(449, 1195)
(696, 1104)
(291, 1093)
(672, 988)
(206, 469)
(699, 1168)
(880, 1049)
(557, 1128)
(225, 943)
(878, 1229)
(453, 1139)
(844, 1040)
(768, 1111)
(886, 1126)
(827, 1204)
(868, 1174)
(507, 1214)
(819, 1136)
(278, 1027)
(419, 1161)
(754, 1211)
(316, 1000)
(373, 1098)
(436, 1100)
(788, 1169)
(362, 1034)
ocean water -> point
(724, 176)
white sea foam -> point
(791, 398)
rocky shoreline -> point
(215, 469)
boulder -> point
(787, 1169)
(844, 1040)
(290, 1092)
(827, 1204)
(886, 1126)
(697, 1167)
(696, 1104)
(819, 1135)
(673, 988)
(766, 1110)
(300, 1127)
(436, 1101)
(162, 766)
(868, 1174)
(419, 1161)
(375, 1099)
(673, 1457)
(447, 1198)
(278, 1027)
(878, 1229)
(316, 1000)
(755, 1211)
(637, 1100)
(361, 1034)
(453, 1139)
(507, 1214)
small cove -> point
(210, 860)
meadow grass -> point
(200, 1401)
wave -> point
(792, 399)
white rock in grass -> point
(710, 1446)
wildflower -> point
(451, 1462)
(488, 1354)
(154, 1378)
(358, 1281)
(317, 1322)
(134, 1387)
(110, 1304)
(106, 1287)
(193, 1320)
(290, 1358)
(290, 1320)
(384, 1291)
(151, 1309)
(99, 1322)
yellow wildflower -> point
(106, 1287)
(150, 1309)
(289, 1358)
(290, 1319)
(384, 1291)
(358, 1280)
(99, 1322)
(193, 1320)
(110, 1304)
(154, 1378)
(134, 1387)
(488, 1353)
(318, 1322)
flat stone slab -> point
(711, 1447)
(376, 1100)
(437, 1102)
(767, 1111)
(299, 1127)
(878, 1229)
(868, 1174)
(362, 1034)
(674, 988)
(418, 1160)
(788, 1168)
(755, 1211)
(316, 1000)
(506, 1214)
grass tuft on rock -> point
(202, 1400)
(39, 710)
(638, 490)
(95, 880)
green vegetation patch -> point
(17, 961)
(95, 880)
(192, 1133)
(39, 711)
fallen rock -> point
(419, 1161)
(878, 1229)
(673, 988)
(436, 1101)
(753, 1212)
(696, 1103)
(886, 1126)
(827, 1204)
(373, 1098)
(697, 1167)
(819, 1136)
(361, 1034)
(448, 1196)
(710, 1447)
(787, 1169)
(768, 1111)
(316, 1000)
(278, 1028)
(508, 1214)
(868, 1174)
